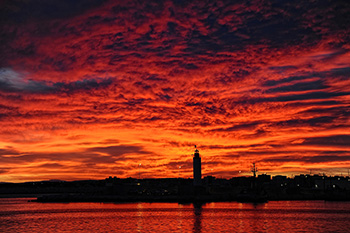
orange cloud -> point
(92, 90)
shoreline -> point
(67, 198)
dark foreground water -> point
(19, 215)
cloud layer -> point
(93, 88)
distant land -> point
(244, 189)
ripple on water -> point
(19, 215)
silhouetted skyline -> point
(93, 88)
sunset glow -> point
(91, 88)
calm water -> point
(19, 215)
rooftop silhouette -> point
(300, 187)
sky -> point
(98, 88)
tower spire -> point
(197, 168)
(254, 170)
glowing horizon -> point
(91, 89)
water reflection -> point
(251, 217)
(139, 217)
(179, 217)
(240, 219)
(281, 216)
(197, 214)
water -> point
(19, 215)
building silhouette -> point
(197, 168)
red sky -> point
(91, 88)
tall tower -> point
(197, 168)
(254, 170)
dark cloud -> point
(326, 57)
(214, 27)
(117, 151)
(329, 158)
(4, 170)
(19, 17)
(344, 71)
(317, 103)
(334, 116)
(304, 86)
(329, 74)
(308, 96)
(28, 157)
(270, 83)
(84, 85)
(11, 81)
(335, 140)
(8, 152)
(281, 69)
(308, 159)
(51, 165)
(20, 11)
(91, 155)
(243, 126)
(283, 159)
(316, 121)
(253, 79)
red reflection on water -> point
(18, 215)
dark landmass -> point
(242, 189)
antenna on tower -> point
(254, 170)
